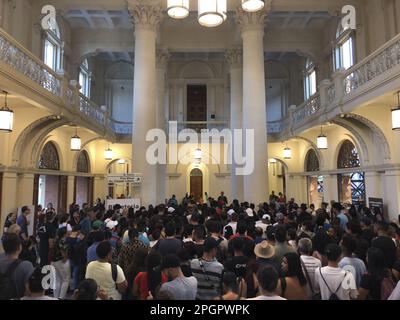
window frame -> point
(53, 37)
(86, 78)
(310, 79)
(342, 36)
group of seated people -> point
(203, 251)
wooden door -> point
(197, 105)
(62, 193)
(196, 183)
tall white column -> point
(392, 194)
(235, 61)
(146, 15)
(255, 185)
(162, 60)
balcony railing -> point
(309, 108)
(23, 61)
(380, 61)
(91, 110)
(121, 128)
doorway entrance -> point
(52, 190)
(197, 106)
(196, 183)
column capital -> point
(252, 20)
(234, 57)
(145, 14)
(162, 56)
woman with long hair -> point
(231, 288)
(294, 283)
(148, 283)
(377, 273)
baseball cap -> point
(111, 224)
(170, 261)
(266, 216)
(249, 212)
(231, 212)
(171, 209)
(96, 225)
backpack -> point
(8, 289)
(387, 287)
(333, 295)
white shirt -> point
(262, 225)
(334, 278)
(396, 293)
(311, 264)
(267, 298)
(102, 274)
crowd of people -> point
(208, 250)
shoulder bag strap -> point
(307, 276)
(330, 291)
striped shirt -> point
(311, 265)
(208, 275)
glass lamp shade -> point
(178, 9)
(6, 119)
(322, 142)
(252, 5)
(121, 161)
(108, 154)
(287, 153)
(75, 143)
(212, 13)
(396, 119)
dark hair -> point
(333, 252)
(270, 232)
(349, 244)
(133, 233)
(35, 281)
(376, 264)
(237, 244)
(153, 268)
(280, 233)
(87, 290)
(98, 236)
(24, 208)
(354, 227)
(156, 234)
(11, 243)
(170, 229)
(103, 249)
(228, 232)
(241, 227)
(199, 232)
(268, 278)
(230, 281)
(214, 226)
(294, 268)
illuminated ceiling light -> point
(76, 141)
(322, 141)
(108, 154)
(252, 5)
(396, 115)
(287, 153)
(121, 161)
(178, 9)
(212, 13)
(6, 117)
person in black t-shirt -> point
(46, 232)
(238, 263)
(385, 243)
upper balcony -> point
(28, 76)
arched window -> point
(52, 51)
(83, 164)
(310, 79)
(344, 48)
(348, 156)
(49, 157)
(312, 162)
(85, 78)
(351, 185)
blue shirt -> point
(144, 239)
(343, 220)
(91, 252)
(22, 222)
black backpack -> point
(8, 289)
(333, 295)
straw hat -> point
(264, 250)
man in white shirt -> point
(335, 283)
(308, 262)
(267, 278)
(109, 277)
(264, 222)
(233, 223)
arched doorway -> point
(351, 185)
(50, 189)
(315, 182)
(119, 190)
(196, 183)
(83, 192)
(278, 176)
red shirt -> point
(142, 284)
